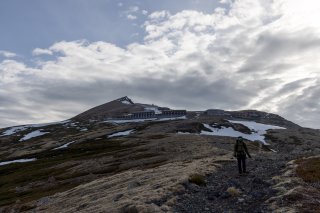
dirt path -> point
(255, 188)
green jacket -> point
(240, 149)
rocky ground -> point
(271, 185)
(227, 191)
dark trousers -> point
(242, 164)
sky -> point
(60, 58)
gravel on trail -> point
(254, 188)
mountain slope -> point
(145, 166)
(117, 107)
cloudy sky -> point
(59, 58)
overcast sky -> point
(59, 58)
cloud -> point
(131, 17)
(131, 13)
(255, 55)
(133, 9)
(225, 2)
(144, 12)
(7, 54)
(159, 14)
(39, 51)
(120, 4)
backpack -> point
(240, 150)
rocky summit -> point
(131, 157)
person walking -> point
(240, 152)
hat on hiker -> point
(240, 138)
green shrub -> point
(233, 191)
(197, 179)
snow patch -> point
(17, 161)
(258, 130)
(64, 145)
(73, 124)
(33, 134)
(123, 133)
(14, 130)
(257, 126)
(126, 102)
(184, 133)
(17, 129)
(48, 124)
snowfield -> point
(258, 130)
(64, 145)
(123, 133)
(17, 129)
(33, 134)
(14, 130)
(257, 126)
(17, 161)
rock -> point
(133, 184)
(82, 206)
(259, 181)
(172, 201)
(43, 201)
(18, 189)
(157, 186)
(117, 197)
(225, 195)
(213, 195)
(257, 195)
(149, 208)
(193, 188)
(233, 183)
(165, 208)
(178, 189)
(130, 208)
(51, 179)
(240, 200)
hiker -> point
(240, 152)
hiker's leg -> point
(239, 165)
(244, 164)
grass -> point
(233, 191)
(20, 175)
(309, 169)
(53, 163)
(197, 179)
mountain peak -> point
(125, 100)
